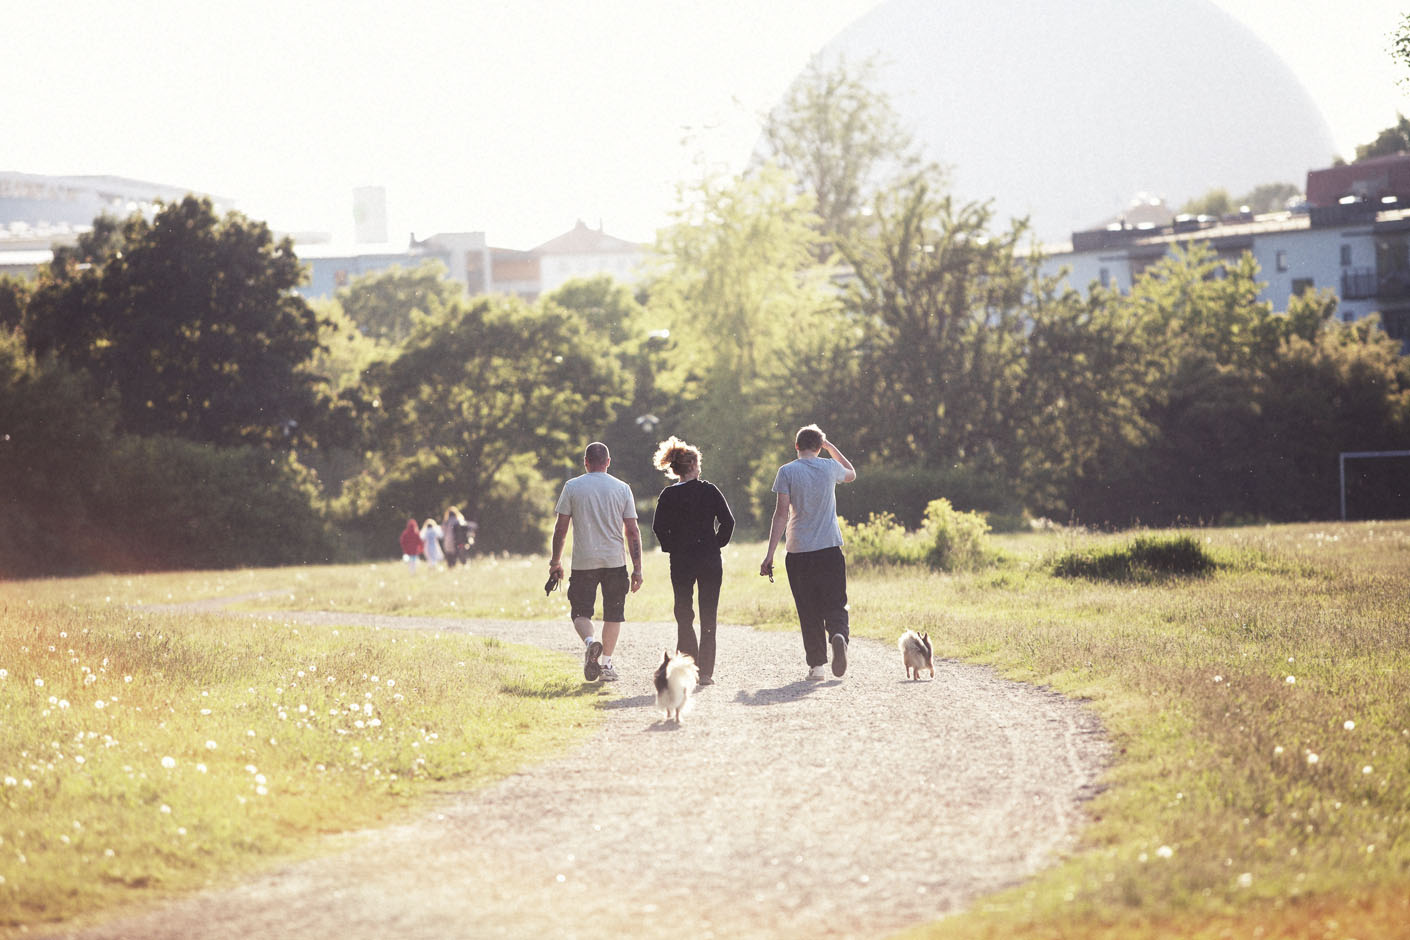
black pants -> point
(818, 581)
(688, 571)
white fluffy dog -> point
(675, 678)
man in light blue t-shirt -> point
(602, 513)
(806, 508)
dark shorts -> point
(582, 593)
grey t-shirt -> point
(810, 483)
(598, 502)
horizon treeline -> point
(168, 400)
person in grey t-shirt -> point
(806, 508)
(602, 513)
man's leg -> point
(803, 583)
(610, 629)
(582, 596)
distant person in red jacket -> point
(410, 544)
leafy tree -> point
(14, 299)
(1392, 140)
(843, 142)
(738, 290)
(53, 444)
(1270, 197)
(385, 304)
(1216, 202)
(192, 319)
(477, 387)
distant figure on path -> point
(692, 523)
(431, 542)
(410, 544)
(602, 514)
(806, 507)
(449, 524)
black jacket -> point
(686, 516)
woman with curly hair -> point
(692, 523)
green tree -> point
(190, 317)
(1392, 140)
(385, 304)
(476, 388)
(842, 140)
(1216, 202)
(739, 287)
(1270, 197)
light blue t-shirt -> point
(598, 502)
(810, 483)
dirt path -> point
(849, 808)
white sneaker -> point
(609, 674)
(817, 674)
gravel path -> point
(780, 808)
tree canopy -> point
(190, 318)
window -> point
(1301, 285)
(1281, 259)
(1346, 256)
(1104, 276)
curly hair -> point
(675, 457)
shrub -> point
(956, 540)
(906, 493)
(1145, 559)
(881, 540)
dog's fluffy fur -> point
(915, 653)
(675, 678)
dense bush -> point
(171, 503)
(947, 540)
(955, 539)
(905, 493)
(1144, 559)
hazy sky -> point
(514, 117)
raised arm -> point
(837, 455)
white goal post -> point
(1357, 455)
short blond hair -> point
(675, 457)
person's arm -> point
(560, 534)
(836, 455)
(722, 513)
(776, 530)
(633, 533)
(661, 522)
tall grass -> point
(143, 751)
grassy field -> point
(1260, 713)
(145, 752)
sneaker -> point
(817, 674)
(591, 670)
(609, 674)
(839, 654)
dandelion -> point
(39, 683)
(210, 745)
(168, 762)
(11, 781)
(63, 703)
(166, 809)
(126, 678)
(1277, 750)
(181, 831)
(1246, 880)
(78, 758)
(262, 791)
(4, 673)
(100, 704)
(251, 769)
(1367, 769)
(1312, 758)
(1218, 679)
(391, 683)
(205, 711)
(1165, 851)
(200, 768)
(1291, 680)
(1349, 725)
